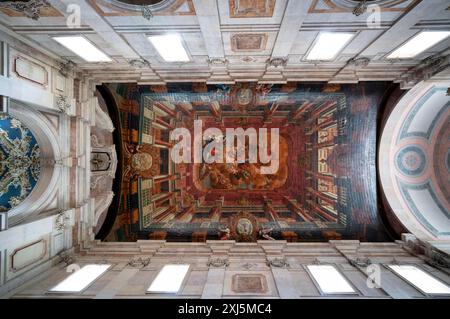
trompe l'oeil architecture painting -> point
(324, 187)
(221, 149)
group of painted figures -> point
(264, 233)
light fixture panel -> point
(418, 44)
(83, 48)
(169, 279)
(330, 280)
(170, 47)
(80, 279)
(328, 45)
(421, 279)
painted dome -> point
(413, 161)
(19, 162)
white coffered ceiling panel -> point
(238, 40)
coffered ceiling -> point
(236, 40)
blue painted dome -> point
(19, 162)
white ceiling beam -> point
(294, 16)
(208, 18)
(396, 35)
(91, 18)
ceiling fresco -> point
(324, 186)
(19, 162)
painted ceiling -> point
(19, 162)
(324, 188)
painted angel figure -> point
(224, 233)
(265, 233)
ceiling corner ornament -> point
(248, 59)
(217, 61)
(359, 62)
(62, 104)
(425, 70)
(277, 263)
(66, 68)
(360, 8)
(433, 256)
(61, 221)
(277, 62)
(218, 262)
(139, 63)
(395, 261)
(30, 8)
(146, 12)
(439, 259)
(66, 258)
(360, 262)
(138, 262)
(248, 266)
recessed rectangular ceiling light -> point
(170, 47)
(418, 44)
(169, 279)
(330, 280)
(83, 48)
(328, 45)
(80, 279)
(421, 279)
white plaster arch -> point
(414, 196)
(44, 193)
(102, 204)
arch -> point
(43, 194)
(136, 5)
(106, 219)
(414, 142)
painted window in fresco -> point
(19, 162)
(164, 161)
